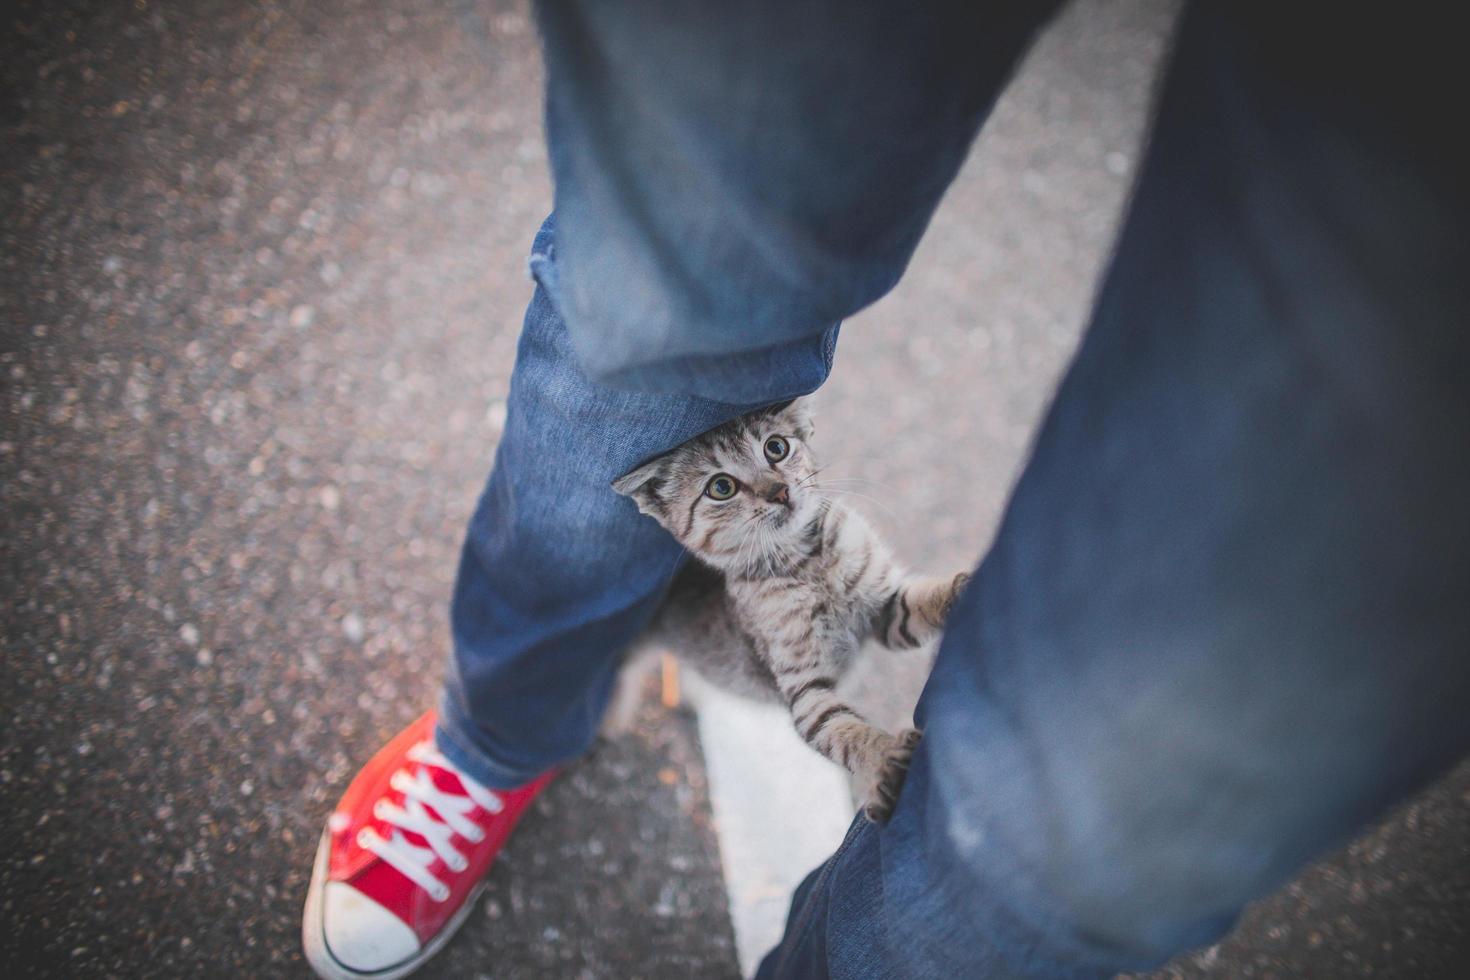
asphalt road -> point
(261, 279)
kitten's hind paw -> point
(891, 774)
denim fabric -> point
(734, 176)
(1224, 620)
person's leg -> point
(1224, 622)
(726, 191)
(731, 180)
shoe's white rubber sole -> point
(314, 938)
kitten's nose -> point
(779, 493)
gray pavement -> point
(261, 274)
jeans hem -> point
(452, 737)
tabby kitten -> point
(787, 587)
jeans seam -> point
(829, 347)
(803, 924)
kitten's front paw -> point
(955, 588)
(891, 774)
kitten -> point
(787, 587)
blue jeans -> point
(1224, 622)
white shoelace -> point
(419, 795)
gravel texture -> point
(261, 274)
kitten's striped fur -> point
(788, 585)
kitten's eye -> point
(777, 449)
(721, 487)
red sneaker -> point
(403, 859)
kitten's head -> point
(739, 496)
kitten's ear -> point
(796, 417)
(646, 485)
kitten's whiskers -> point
(862, 496)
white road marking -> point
(780, 809)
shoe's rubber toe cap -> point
(361, 934)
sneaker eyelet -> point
(363, 837)
(440, 894)
(378, 808)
